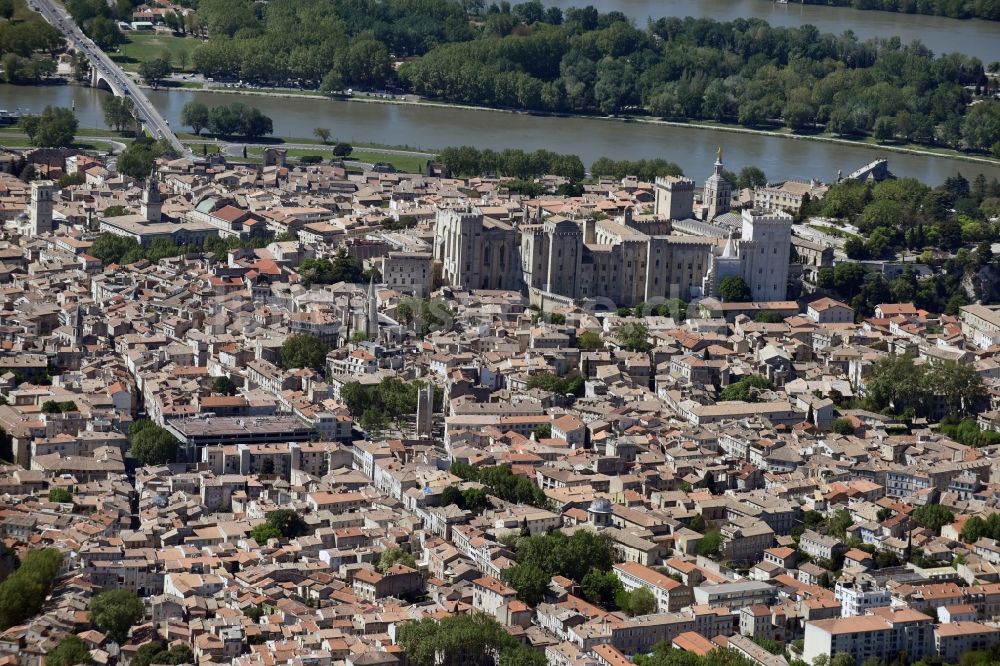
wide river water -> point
(430, 127)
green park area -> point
(142, 47)
(404, 163)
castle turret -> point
(718, 191)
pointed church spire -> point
(729, 251)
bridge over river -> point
(105, 73)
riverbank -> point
(867, 143)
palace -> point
(627, 260)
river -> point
(430, 127)
(973, 37)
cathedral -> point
(625, 261)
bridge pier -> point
(97, 80)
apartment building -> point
(670, 594)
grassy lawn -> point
(405, 163)
(197, 148)
(149, 46)
(24, 142)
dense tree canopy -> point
(155, 70)
(23, 592)
(743, 71)
(984, 9)
(543, 556)
(503, 483)
(119, 112)
(343, 268)
(471, 639)
(393, 556)
(734, 289)
(151, 444)
(634, 337)
(469, 161)
(977, 527)
(139, 157)
(899, 385)
(115, 612)
(71, 650)
(281, 523)
(54, 128)
(572, 383)
(157, 652)
(748, 389)
(27, 46)
(303, 351)
(224, 386)
(60, 495)
(933, 516)
(195, 115)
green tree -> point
(224, 386)
(115, 612)
(374, 422)
(734, 289)
(288, 522)
(530, 581)
(839, 523)
(959, 383)
(894, 383)
(974, 529)
(60, 495)
(54, 128)
(342, 149)
(195, 115)
(543, 431)
(710, 545)
(933, 516)
(472, 639)
(303, 351)
(104, 32)
(322, 133)
(119, 112)
(885, 129)
(697, 523)
(842, 426)
(751, 177)
(768, 317)
(151, 444)
(748, 389)
(981, 126)
(589, 341)
(601, 588)
(392, 556)
(264, 532)
(452, 495)
(139, 158)
(23, 592)
(71, 650)
(474, 499)
(634, 337)
(639, 601)
(155, 70)
(157, 652)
